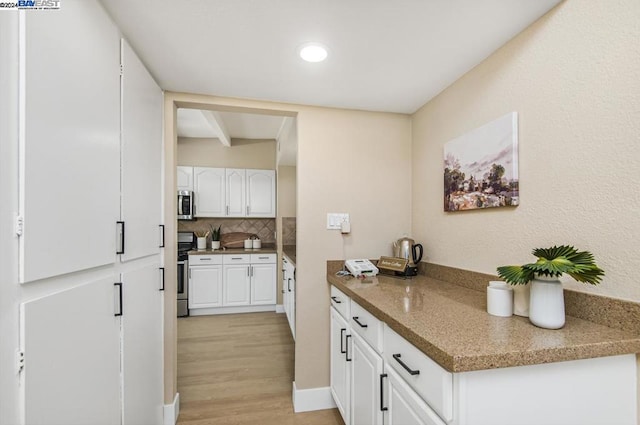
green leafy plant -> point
(553, 262)
(215, 233)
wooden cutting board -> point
(234, 239)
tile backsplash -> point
(288, 231)
(263, 227)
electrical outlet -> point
(335, 220)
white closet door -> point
(142, 348)
(70, 140)
(261, 193)
(71, 343)
(141, 157)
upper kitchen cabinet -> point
(209, 188)
(141, 157)
(236, 192)
(69, 141)
(261, 193)
(184, 178)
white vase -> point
(546, 307)
(521, 300)
(215, 244)
(201, 243)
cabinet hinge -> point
(121, 70)
(19, 225)
(20, 361)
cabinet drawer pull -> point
(336, 300)
(346, 349)
(407, 368)
(289, 284)
(355, 319)
(382, 408)
(236, 258)
(342, 331)
(206, 259)
(263, 258)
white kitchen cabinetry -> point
(404, 406)
(205, 281)
(263, 279)
(261, 193)
(340, 359)
(69, 140)
(209, 191)
(289, 294)
(184, 178)
(141, 157)
(237, 280)
(366, 383)
(236, 192)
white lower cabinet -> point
(237, 285)
(366, 384)
(205, 282)
(403, 405)
(289, 294)
(263, 283)
(340, 364)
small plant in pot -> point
(215, 237)
(546, 308)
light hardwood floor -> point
(238, 369)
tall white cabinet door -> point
(70, 140)
(71, 344)
(184, 178)
(142, 347)
(236, 192)
(365, 384)
(205, 286)
(261, 193)
(340, 364)
(263, 284)
(237, 283)
(405, 405)
(141, 157)
(209, 187)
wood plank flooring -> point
(238, 369)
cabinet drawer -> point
(433, 383)
(366, 325)
(203, 260)
(263, 258)
(341, 302)
(236, 259)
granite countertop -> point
(290, 252)
(266, 249)
(450, 324)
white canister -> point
(248, 244)
(202, 243)
(499, 299)
(257, 243)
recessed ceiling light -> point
(313, 52)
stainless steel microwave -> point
(185, 205)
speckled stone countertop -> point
(266, 249)
(290, 252)
(450, 324)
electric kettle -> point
(408, 248)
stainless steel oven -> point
(186, 242)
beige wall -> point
(573, 79)
(286, 191)
(260, 154)
(330, 170)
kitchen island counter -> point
(450, 324)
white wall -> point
(573, 78)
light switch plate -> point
(334, 220)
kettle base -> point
(408, 271)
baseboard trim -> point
(312, 399)
(171, 411)
(279, 308)
(231, 310)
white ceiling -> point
(383, 55)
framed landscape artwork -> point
(481, 167)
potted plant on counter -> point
(546, 308)
(215, 237)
